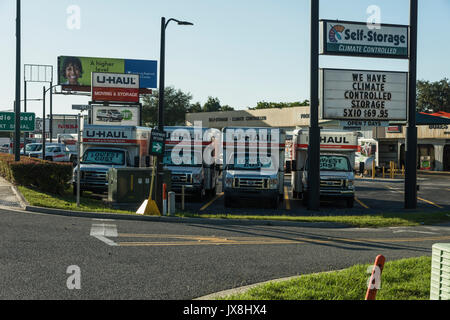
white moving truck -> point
(337, 162)
(191, 155)
(106, 147)
(253, 164)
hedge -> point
(46, 176)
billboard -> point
(363, 95)
(117, 115)
(75, 72)
(115, 87)
(357, 39)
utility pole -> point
(17, 100)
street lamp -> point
(159, 168)
(44, 91)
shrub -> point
(46, 176)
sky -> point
(240, 51)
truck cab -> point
(107, 147)
(336, 178)
(253, 166)
(185, 154)
(337, 162)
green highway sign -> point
(27, 121)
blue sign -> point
(147, 70)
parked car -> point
(31, 147)
(5, 148)
(57, 152)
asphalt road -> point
(373, 196)
(161, 260)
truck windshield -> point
(178, 158)
(248, 162)
(334, 163)
(106, 157)
(33, 147)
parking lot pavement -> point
(372, 196)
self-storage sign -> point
(361, 39)
(363, 95)
(115, 87)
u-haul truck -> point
(191, 155)
(337, 162)
(106, 147)
(253, 164)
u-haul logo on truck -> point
(106, 134)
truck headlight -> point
(228, 182)
(273, 183)
(196, 178)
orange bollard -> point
(375, 277)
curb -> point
(173, 219)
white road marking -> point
(399, 230)
(102, 231)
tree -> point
(226, 108)
(196, 107)
(433, 96)
(176, 105)
(212, 105)
(280, 105)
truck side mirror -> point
(136, 161)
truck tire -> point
(49, 158)
(305, 199)
(350, 202)
(227, 202)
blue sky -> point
(241, 51)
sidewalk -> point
(9, 197)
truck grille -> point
(181, 178)
(94, 175)
(331, 183)
(251, 183)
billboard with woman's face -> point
(76, 71)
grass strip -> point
(359, 221)
(406, 279)
(66, 202)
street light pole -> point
(162, 62)
(17, 100)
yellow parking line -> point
(421, 199)
(286, 198)
(429, 202)
(211, 202)
(361, 203)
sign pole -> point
(411, 131)
(314, 130)
(43, 123)
(78, 158)
(17, 100)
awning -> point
(437, 118)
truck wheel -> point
(275, 203)
(305, 199)
(227, 202)
(49, 158)
(350, 202)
